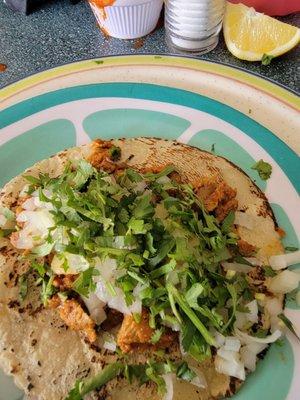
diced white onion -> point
(232, 343)
(117, 301)
(243, 319)
(29, 204)
(163, 179)
(254, 261)
(249, 352)
(135, 307)
(140, 186)
(244, 219)
(199, 380)
(282, 261)
(252, 316)
(111, 346)
(39, 220)
(106, 267)
(285, 282)
(56, 265)
(168, 378)
(24, 190)
(61, 238)
(238, 267)
(95, 307)
(75, 263)
(273, 306)
(248, 358)
(219, 339)
(34, 203)
(231, 368)
(257, 348)
(21, 240)
(228, 354)
(245, 338)
(35, 228)
(240, 320)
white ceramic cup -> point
(128, 19)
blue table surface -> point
(59, 32)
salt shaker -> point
(194, 25)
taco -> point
(137, 269)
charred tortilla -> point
(41, 352)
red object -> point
(272, 7)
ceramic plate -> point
(243, 117)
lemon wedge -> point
(250, 35)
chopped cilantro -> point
(163, 270)
(155, 377)
(47, 289)
(137, 372)
(156, 336)
(242, 308)
(193, 293)
(85, 284)
(291, 248)
(82, 388)
(269, 271)
(23, 286)
(233, 293)
(239, 259)
(261, 333)
(32, 179)
(123, 215)
(43, 250)
(228, 222)
(279, 342)
(138, 226)
(114, 153)
(164, 172)
(142, 207)
(165, 246)
(184, 372)
(184, 306)
(83, 172)
(263, 168)
(288, 324)
(40, 268)
(133, 175)
(5, 232)
(266, 59)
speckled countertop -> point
(59, 32)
